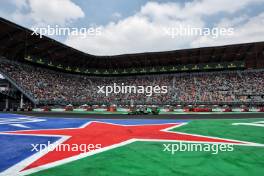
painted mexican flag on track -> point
(130, 147)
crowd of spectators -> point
(43, 84)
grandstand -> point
(42, 71)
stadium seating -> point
(49, 86)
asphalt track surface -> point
(242, 115)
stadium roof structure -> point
(17, 42)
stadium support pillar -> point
(21, 101)
(7, 99)
(6, 103)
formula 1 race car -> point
(144, 111)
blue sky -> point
(133, 26)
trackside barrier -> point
(237, 110)
(123, 110)
(38, 110)
(217, 110)
(178, 110)
(254, 110)
(58, 110)
(80, 110)
(100, 110)
(164, 110)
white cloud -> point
(55, 11)
(209, 7)
(116, 15)
(134, 34)
(249, 31)
(19, 3)
(139, 33)
(43, 12)
(144, 31)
